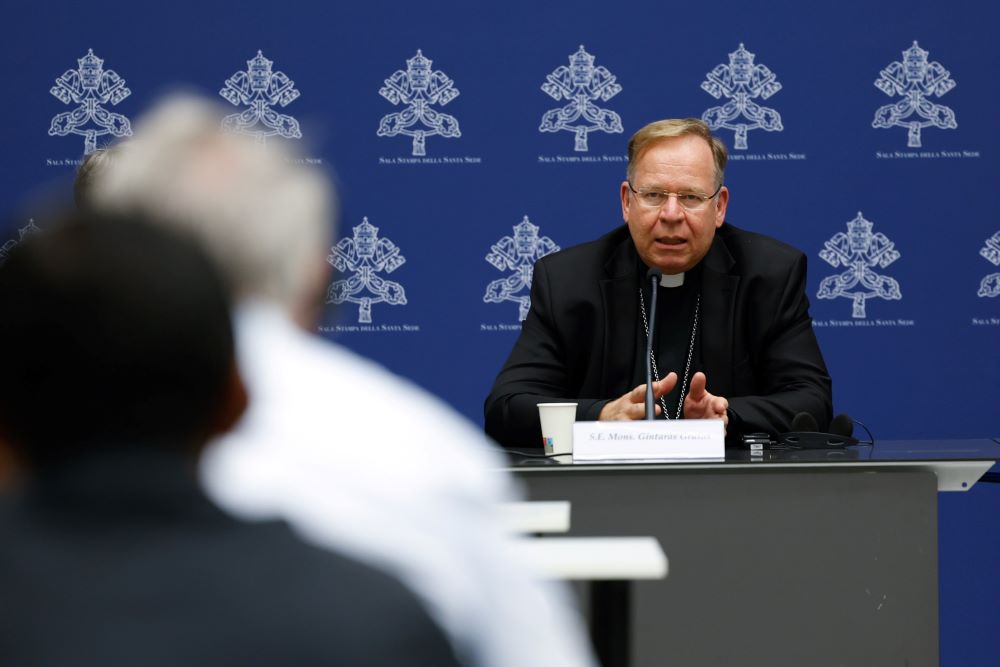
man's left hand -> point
(700, 404)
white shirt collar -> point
(672, 279)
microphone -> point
(804, 421)
(653, 278)
(842, 425)
(805, 433)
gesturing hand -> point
(700, 404)
(632, 405)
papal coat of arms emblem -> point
(915, 80)
(260, 88)
(741, 82)
(990, 285)
(90, 86)
(517, 255)
(860, 252)
(366, 255)
(581, 85)
(23, 233)
(418, 88)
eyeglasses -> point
(691, 201)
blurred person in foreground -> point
(120, 367)
(355, 458)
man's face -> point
(671, 237)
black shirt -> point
(675, 316)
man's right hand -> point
(632, 405)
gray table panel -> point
(771, 567)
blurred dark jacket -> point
(120, 560)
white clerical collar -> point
(672, 279)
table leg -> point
(611, 622)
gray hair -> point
(93, 166)
(264, 219)
(656, 131)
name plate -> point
(660, 440)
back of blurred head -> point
(116, 334)
(264, 219)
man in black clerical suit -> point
(734, 338)
(117, 367)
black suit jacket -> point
(578, 342)
(123, 561)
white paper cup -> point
(557, 426)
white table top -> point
(593, 558)
(535, 517)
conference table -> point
(608, 565)
(783, 557)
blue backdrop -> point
(468, 139)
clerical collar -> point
(672, 280)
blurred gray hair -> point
(267, 221)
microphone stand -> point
(653, 277)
